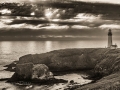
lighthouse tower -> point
(110, 45)
(109, 38)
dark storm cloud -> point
(33, 22)
(71, 9)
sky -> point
(106, 1)
(103, 1)
(84, 21)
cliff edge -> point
(104, 62)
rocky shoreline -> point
(103, 64)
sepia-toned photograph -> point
(59, 44)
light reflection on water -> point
(48, 45)
(5, 47)
(26, 47)
(31, 47)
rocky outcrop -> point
(69, 59)
(11, 67)
(109, 70)
(105, 63)
(29, 71)
(110, 82)
(109, 64)
(41, 71)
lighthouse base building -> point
(113, 47)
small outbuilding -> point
(113, 47)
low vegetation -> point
(104, 63)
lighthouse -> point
(109, 38)
(110, 45)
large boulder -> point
(29, 71)
(24, 71)
(41, 71)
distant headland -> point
(103, 64)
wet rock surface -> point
(34, 74)
(11, 67)
(41, 71)
(110, 82)
(29, 71)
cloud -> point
(6, 21)
(32, 14)
(102, 1)
(84, 19)
(80, 27)
(51, 13)
(56, 27)
(5, 11)
(80, 17)
(32, 1)
(4, 24)
(80, 21)
(87, 17)
(28, 18)
(110, 26)
(34, 22)
(31, 24)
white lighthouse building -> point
(110, 45)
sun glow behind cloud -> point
(48, 13)
(5, 11)
(53, 13)
(32, 14)
(80, 27)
